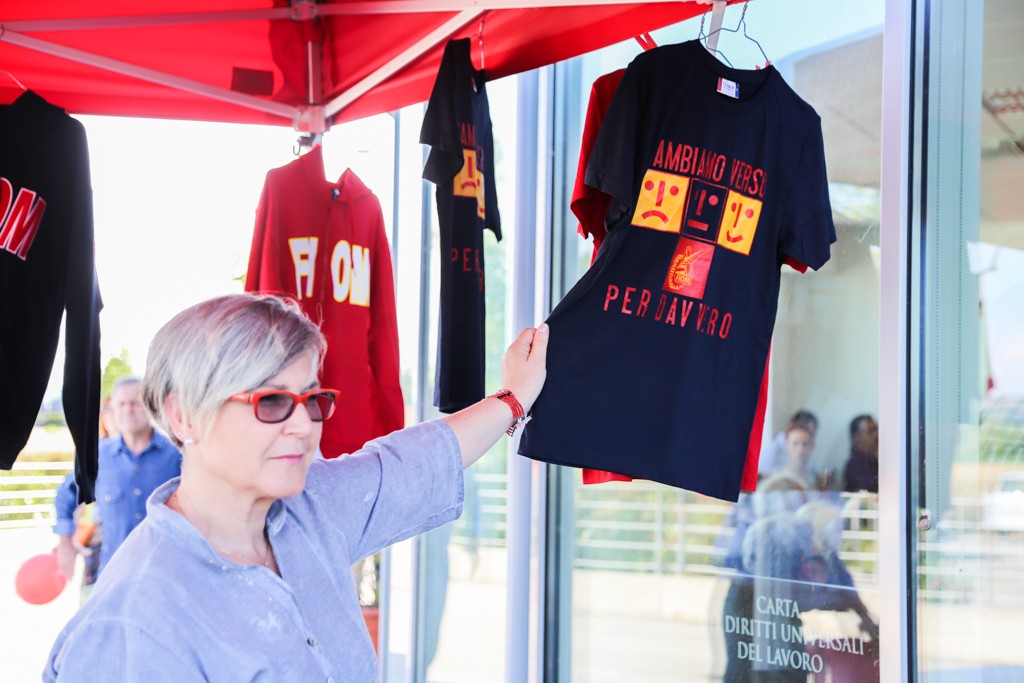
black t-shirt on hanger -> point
(47, 269)
(657, 354)
(457, 126)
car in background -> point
(1003, 507)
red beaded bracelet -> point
(518, 414)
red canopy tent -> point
(294, 62)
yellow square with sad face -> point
(739, 222)
(468, 182)
(660, 203)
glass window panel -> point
(970, 378)
(661, 584)
(463, 565)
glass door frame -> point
(898, 142)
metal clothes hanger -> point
(306, 142)
(704, 37)
(742, 24)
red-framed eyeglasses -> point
(277, 405)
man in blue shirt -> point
(131, 466)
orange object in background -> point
(83, 533)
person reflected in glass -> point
(761, 612)
(779, 492)
(838, 591)
(792, 451)
(799, 446)
(776, 455)
(861, 471)
(241, 569)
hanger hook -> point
(306, 141)
(480, 39)
(706, 36)
(743, 23)
(700, 32)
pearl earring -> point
(187, 442)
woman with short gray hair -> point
(240, 570)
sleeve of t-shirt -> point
(82, 324)
(440, 127)
(612, 160)
(393, 488)
(807, 229)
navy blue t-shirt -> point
(457, 126)
(657, 354)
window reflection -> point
(463, 579)
(970, 462)
(667, 585)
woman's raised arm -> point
(523, 371)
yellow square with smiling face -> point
(660, 203)
(739, 222)
(468, 182)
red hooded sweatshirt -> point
(324, 245)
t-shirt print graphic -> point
(470, 181)
(702, 210)
(688, 270)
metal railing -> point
(483, 518)
(27, 491)
(650, 528)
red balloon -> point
(40, 580)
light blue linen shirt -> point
(168, 607)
